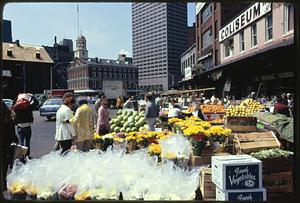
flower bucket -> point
(198, 146)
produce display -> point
(245, 109)
(212, 108)
(98, 175)
(128, 120)
(272, 153)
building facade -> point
(191, 35)
(188, 61)
(210, 17)
(28, 67)
(86, 75)
(62, 54)
(159, 38)
(6, 31)
(263, 36)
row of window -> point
(288, 25)
(153, 87)
(188, 62)
(94, 84)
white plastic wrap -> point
(104, 175)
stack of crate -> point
(238, 178)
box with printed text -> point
(236, 172)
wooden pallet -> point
(278, 184)
(252, 142)
(207, 187)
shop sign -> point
(250, 15)
(188, 73)
(268, 77)
(199, 6)
(286, 75)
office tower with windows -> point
(159, 38)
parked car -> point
(50, 107)
(8, 102)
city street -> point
(43, 133)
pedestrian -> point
(252, 95)
(151, 112)
(119, 103)
(103, 125)
(174, 112)
(23, 107)
(65, 132)
(290, 100)
(280, 107)
(9, 137)
(84, 124)
(198, 112)
(129, 104)
(98, 101)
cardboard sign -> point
(241, 195)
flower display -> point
(154, 149)
(217, 133)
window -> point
(104, 75)
(242, 41)
(124, 76)
(100, 84)
(253, 35)
(228, 44)
(269, 27)
(120, 75)
(288, 18)
(94, 74)
(207, 38)
(94, 84)
(99, 75)
(115, 75)
(109, 75)
(207, 12)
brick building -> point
(86, 75)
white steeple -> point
(81, 51)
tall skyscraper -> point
(6, 31)
(159, 38)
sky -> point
(106, 26)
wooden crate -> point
(252, 142)
(207, 187)
(278, 184)
(205, 158)
(282, 165)
(233, 124)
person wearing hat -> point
(83, 122)
(65, 132)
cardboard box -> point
(241, 195)
(236, 172)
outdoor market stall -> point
(132, 163)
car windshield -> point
(54, 102)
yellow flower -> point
(154, 148)
(118, 139)
(97, 136)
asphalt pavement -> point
(43, 134)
